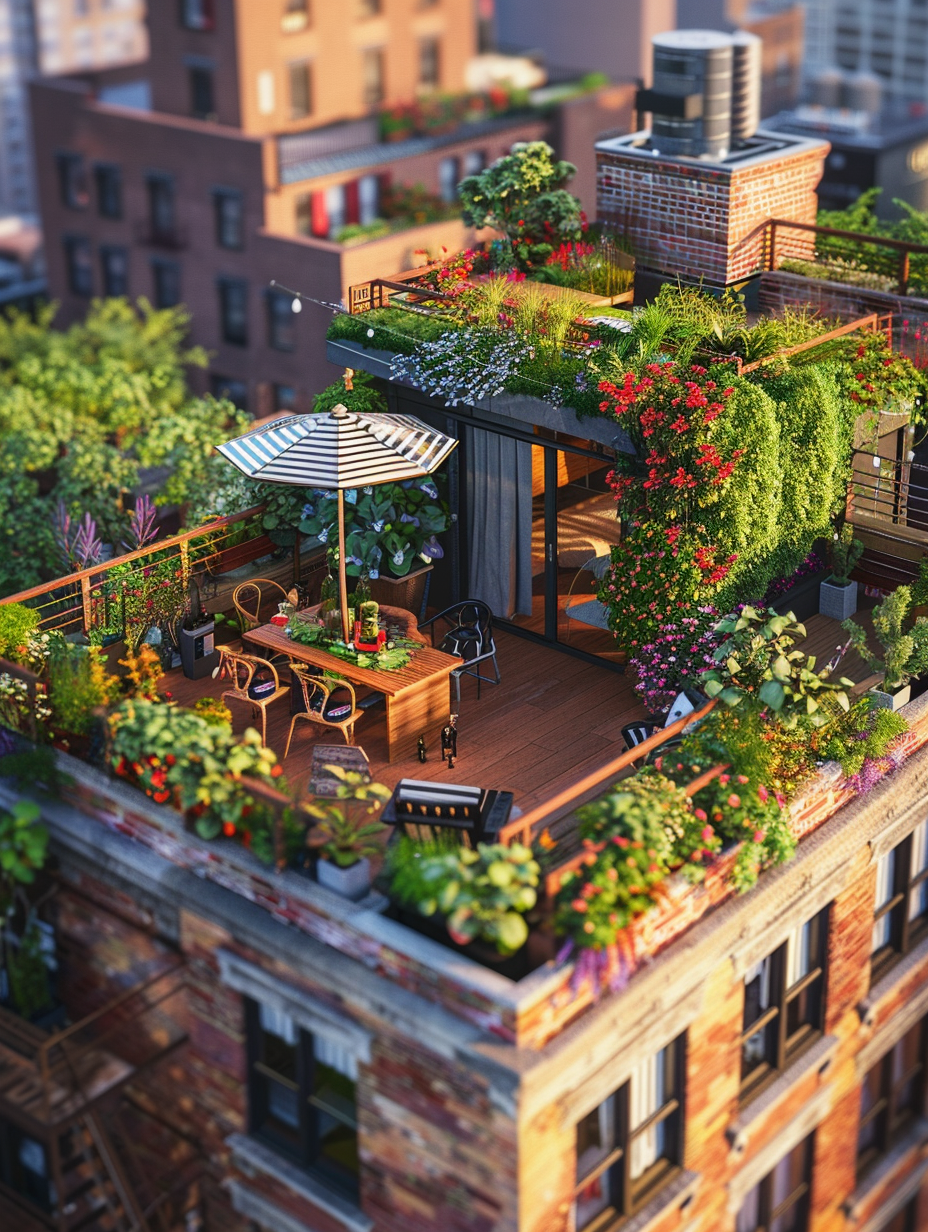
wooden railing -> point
(81, 600)
(525, 829)
(892, 257)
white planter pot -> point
(838, 602)
(352, 882)
(891, 701)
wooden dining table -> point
(418, 696)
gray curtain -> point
(499, 521)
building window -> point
(284, 399)
(372, 76)
(166, 280)
(233, 311)
(202, 101)
(301, 90)
(474, 161)
(24, 1166)
(629, 1146)
(780, 1203)
(233, 390)
(368, 199)
(281, 321)
(72, 181)
(449, 176)
(783, 1003)
(891, 1097)
(900, 908)
(109, 191)
(336, 208)
(302, 1095)
(230, 218)
(429, 63)
(114, 265)
(297, 16)
(161, 217)
(197, 14)
(80, 271)
(370, 8)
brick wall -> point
(704, 220)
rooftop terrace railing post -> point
(903, 278)
(772, 252)
(86, 607)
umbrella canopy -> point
(339, 449)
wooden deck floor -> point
(553, 719)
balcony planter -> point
(198, 653)
(837, 602)
(352, 881)
(513, 966)
(891, 701)
(404, 592)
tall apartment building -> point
(887, 38)
(265, 136)
(87, 34)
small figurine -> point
(367, 632)
(420, 748)
(449, 741)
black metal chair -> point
(636, 733)
(467, 633)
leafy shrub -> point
(482, 893)
(905, 651)
(18, 624)
(78, 685)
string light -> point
(340, 310)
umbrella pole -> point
(342, 574)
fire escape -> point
(71, 1157)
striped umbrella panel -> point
(339, 451)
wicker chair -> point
(317, 691)
(248, 599)
(241, 669)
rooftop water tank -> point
(863, 92)
(827, 88)
(690, 100)
(745, 85)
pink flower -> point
(700, 814)
(706, 833)
(763, 794)
(734, 801)
(759, 836)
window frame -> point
(430, 54)
(891, 1127)
(303, 1148)
(766, 1213)
(207, 21)
(160, 265)
(73, 192)
(220, 197)
(634, 1192)
(905, 933)
(155, 183)
(276, 304)
(108, 183)
(305, 69)
(368, 55)
(786, 1048)
(72, 243)
(225, 287)
(106, 252)
(199, 73)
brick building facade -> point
(260, 145)
(765, 1066)
(701, 219)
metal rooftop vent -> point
(706, 92)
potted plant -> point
(905, 651)
(343, 834)
(18, 625)
(198, 653)
(837, 595)
(481, 894)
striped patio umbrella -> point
(339, 449)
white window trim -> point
(312, 1015)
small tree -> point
(905, 651)
(523, 195)
(846, 551)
